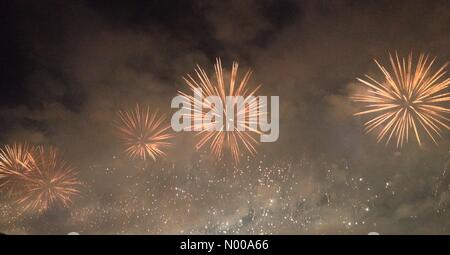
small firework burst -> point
(143, 134)
(49, 180)
(14, 164)
(36, 177)
(407, 102)
(242, 134)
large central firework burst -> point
(143, 133)
(408, 102)
(241, 135)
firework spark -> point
(241, 135)
(14, 163)
(407, 102)
(49, 180)
(143, 134)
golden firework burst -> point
(14, 164)
(409, 101)
(143, 134)
(49, 180)
(36, 177)
(242, 134)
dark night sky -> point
(68, 66)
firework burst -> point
(49, 180)
(408, 102)
(143, 133)
(14, 164)
(241, 135)
(36, 177)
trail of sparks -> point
(241, 134)
(143, 133)
(407, 102)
